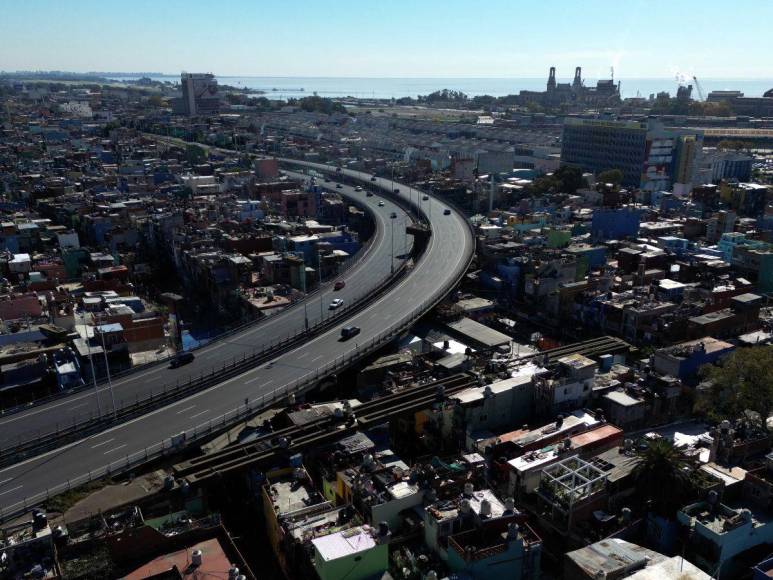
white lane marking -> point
(12, 489)
(78, 406)
(199, 414)
(103, 443)
(6, 480)
(316, 358)
(186, 409)
(302, 355)
(115, 449)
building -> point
(355, 554)
(650, 156)
(605, 93)
(200, 95)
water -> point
(387, 88)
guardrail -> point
(219, 424)
(43, 442)
(347, 265)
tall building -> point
(605, 93)
(200, 95)
(651, 157)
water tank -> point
(169, 482)
(233, 572)
(468, 488)
(367, 460)
(512, 531)
(431, 575)
(291, 398)
(338, 413)
(196, 557)
(626, 514)
(465, 506)
(510, 504)
(485, 508)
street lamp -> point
(392, 218)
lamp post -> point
(392, 218)
(107, 367)
(91, 362)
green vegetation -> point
(316, 104)
(444, 96)
(614, 176)
(743, 381)
(64, 501)
(565, 179)
(664, 477)
(195, 154)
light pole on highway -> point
(107, 367)
(392, 217)
(91, 361)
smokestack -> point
(552, 78)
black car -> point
(349, 331)
(446, 211)
(181, 359)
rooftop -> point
(344, 543)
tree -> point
(570, 178)
(195, 154)
(614, 176)
(663, 476)
(743, 381)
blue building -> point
(614, 224)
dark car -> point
(369, 194)
(446, 211)
(373, 178)
(425, 198)
(349, 331)
(397, 190)
(181, 359)
(339, 284)
(338, 186)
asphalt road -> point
(442, 264)
(361, 279)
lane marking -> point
(199, 414)
(103, 443)
(316, 358)
(12, 489)
(115, 449)
(186, 409)
(78, 406)
(6, 480)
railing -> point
(42, 442)
(345, 266)
(219, 424)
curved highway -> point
(361, 280)
(443, 263)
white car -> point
(381, 204)
(358, 188)
(338, 302)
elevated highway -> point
(437, 270)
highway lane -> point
(442, 264)
(361, 279)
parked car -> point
(336, 303)
(181, 359)
(339, 284)
(349, 331)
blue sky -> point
(392, 38)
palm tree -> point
(664, 476)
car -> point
(339, 284)
(381, 203)
(393, 215)
(425, 198)
(369, 194)
(397, 190)
(327, 180)
(358, 188)
(349, 331)
(338, 170)
(373, 178)
(181, 359)
(336, 303)
(338, 186)
(446, 211)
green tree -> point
(614, 176)
(663, 476)
(742, 381)
(195, 154)
(570, 178)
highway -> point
(442, 264)
(361, 279)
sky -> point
(392, 38)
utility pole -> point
(107, 366)
(91, 363)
